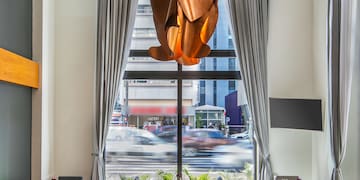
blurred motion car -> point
(151, 126)
(234, 156)
(169, 133)
(168, 136)
(242, 135)
(197, 141)
(130, 141)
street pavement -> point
(128, 165)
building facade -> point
(154, 102)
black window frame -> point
(181, 75)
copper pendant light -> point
(183, 28)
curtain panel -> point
(249, 20)
(114, 31)
(340, 77)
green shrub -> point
(164, 175)
(192, 177)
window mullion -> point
(179, 124)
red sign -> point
(154, 110)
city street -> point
(136, 166)
(134, 152)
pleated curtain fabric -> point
(114, 31)
(340, 78)
(249, 21)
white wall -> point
(291, 74)
(75, 34)
(321, 162)
(296, 152)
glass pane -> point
(144, 37)
(144, 33)
(150, 64)
(213, 115)
(215, 64)
(219, 140)
(221, 40)
(142, 133)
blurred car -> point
(169, 133)
(242, 135)
(151, 126)
(203, 140)
(166, 128)
(130, 141)
(168, 136)
(234, 156)
(117, 122)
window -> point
(144, 33)
(144, 9)
(231, 44)
(164, 107)
(215, 92)
(232, 66)
(202, 65)
(231, 86)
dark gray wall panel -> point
(15, 132)
(15, 101)
(16, 26)
(296, 113)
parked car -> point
(203, 140)
(130, 141)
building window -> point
(144, 9)
(215, 39)
(215, 92)
(232, 65)
(144, 33)
(203, 65)
(202, 99)
(140, 81)
(232, 86)
(214, 64)
(231, 44)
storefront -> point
(153, 117)
(208, 116)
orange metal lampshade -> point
(183, 29)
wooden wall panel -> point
(19, 70)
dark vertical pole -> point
(179, 123)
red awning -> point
(154, 110)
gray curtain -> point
(249, 20)
(115, 24)
(340, 72)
